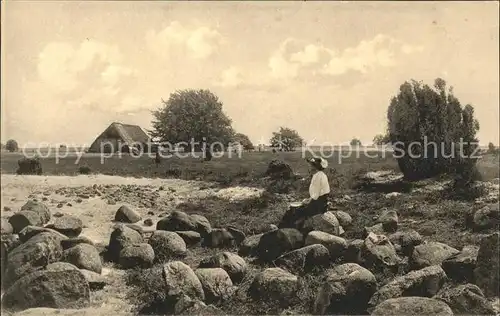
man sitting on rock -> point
(317, 203)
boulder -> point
(191, 238)
(223, 238)
(180, 280)
(336, 245)
(21, 219)
(137, 256)
(406, 241)
(378, 252)
(466, 299)
(29, 232)
(306, 259)
(389, 220)
(67, 225)
(34, 254)
(460, 267)
(55, 289)
(485, 218)
(326, 222)
(234, 265)
(353, 251)
(345, 220)
(278, 242)
(430, 253)
(346, 290)
(167, 245)
(487, 262)
(412, 305)
(126, 215)
(274, 285)
(71, 242)
(6, 228)
(425, 282)
(216, 283)
(250, 245)
(180, 221)
(83, 256)
(120, 238)
(60, 266)
(41, 209)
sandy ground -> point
(97, 216)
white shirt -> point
(319, 185)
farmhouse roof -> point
(127, 132)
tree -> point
(380, 139)
(244, 141)
(286, 139)
(11, 145)
(355, 142)
(426, 126)
(192, 116)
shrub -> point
(84, 170)
(431, 132)
(11, 145)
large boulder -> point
(326, 222)
(34, 254)
(31, 166)
(405, 241)
(191, 238)
(378, 252)
(485, 218)
(460, 267)
(487, 262)
(56, 289)
(29, 232)
(180, 280)
(346, 290)
(466, 299)
(274, 285)
(345, 220)
(167, 245)
(127, 215)
(83, 256)
(216, 283)
(121, 237)
(412, 305)
(306, 259)
(336, 245)
(71, 242)
(67, 225)
(278, 242)
(22, 219)
(234, 265)
(180, 221)
(250, 245)
(136, 256)
(38, 207)
(425, 282)
(430, 253)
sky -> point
(325, 69)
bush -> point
(84, 170)
(31, 166)
(430, 131)
(11, 145)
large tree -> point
(244, 141)
(355, 142)
(192, 115)
(11, 145)
(286, 139)
(430, 123)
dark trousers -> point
(294, 218)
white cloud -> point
(295, 58)
(199, 43)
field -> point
(233, 192)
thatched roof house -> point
(120, 137)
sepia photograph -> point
(250, 158)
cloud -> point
(230, 77)
(199, 43)
(298, 59)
